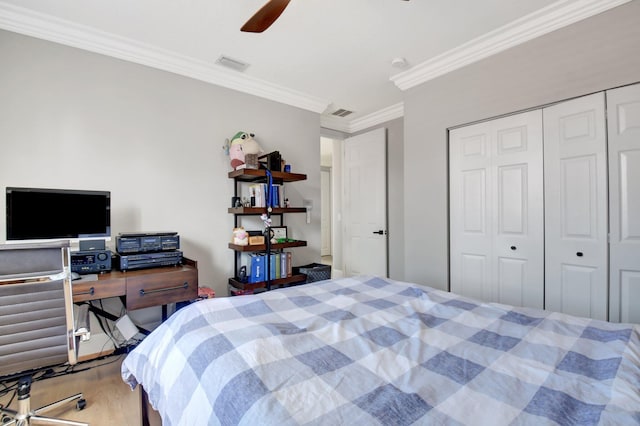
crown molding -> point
(386, 114)
(557, 15)
(46, 27)
(335, 123)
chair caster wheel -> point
(81, 404)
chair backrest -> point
(32, 260)
(36, 307)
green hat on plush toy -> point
(240, 137)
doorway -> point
(350, 254)
(326, 194)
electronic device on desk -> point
(147, 242)
(42, 214)
(60, 214)
(127, 262)
(91, 261)
(92, 258)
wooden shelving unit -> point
(260, 176)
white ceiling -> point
(320, 55)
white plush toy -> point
(241, 144)
(240, 237)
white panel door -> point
(575, 161)
(623, 111)
(471, 194)
(496, 216)
(518, 216)
(325, 214)
(365, 204)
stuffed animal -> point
(240, 237)
(241, 144)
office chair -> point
(36, 324)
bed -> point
(368, 350)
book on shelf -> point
(257, 268)
(259, 193)
(283, 265)
(276, 195)
(279, 266)
(272, 266)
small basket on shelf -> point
(314, 272)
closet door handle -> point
(513, 248)
(579, 254)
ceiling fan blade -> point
(265, 16)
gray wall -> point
(78, 120)
(593, 55)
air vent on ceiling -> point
(234, 64)
(341, 112)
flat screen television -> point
(43, 214)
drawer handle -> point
(513, 247)
(579, 254)
(158, 290)
(91, 291)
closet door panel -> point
(496, 219)
(581, 293)
(518, 210)
(579, 195)
(629, 178)
(474, 279)
(629, 295)
(512, 275)
(470, 199)
(512, 194)
(623, 109)
(576, 207)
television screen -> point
(35, 214)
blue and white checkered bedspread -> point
(366, 351)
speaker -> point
(86, 245)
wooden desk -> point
(143, 288)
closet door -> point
(623, 110)
(496, 202)
(471, 189)
(575, 161)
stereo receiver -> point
(90, 261)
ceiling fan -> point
(266, 16)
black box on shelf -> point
(271, 161)
(314, 271)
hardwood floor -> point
(109, 400)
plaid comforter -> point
(366, 351)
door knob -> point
(380, 232)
